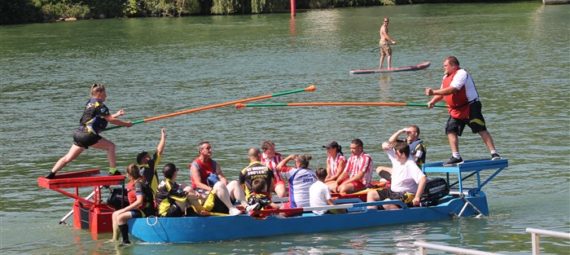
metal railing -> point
(423, 247)
(535, 237)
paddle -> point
(310, 88)
(317, 104)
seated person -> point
(173, 199)
(408, 181)
(215, 202)
(320, 195)
(140, 204)
(417, 149)
(336, 163)
(205, 173)
(271, 159)
(358, 171)
(255, 170)
(300, 179)
(259, 198)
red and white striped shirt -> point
(360, 163)
(333, 163)
(272, 163)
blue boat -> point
(461, 202)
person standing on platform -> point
(385, 41)
(95, 118)
(459, 92)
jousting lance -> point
(319, 104)
(310, 88)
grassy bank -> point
(26, 11)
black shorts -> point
(138, 213)
(389, 194)
(84, 139)
(476, 121)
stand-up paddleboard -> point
(419, 66)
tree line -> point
(25, 11)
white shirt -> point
(462, 78)
(300, 181)
(405, 177)
(319, 195)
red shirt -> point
(458, 102)
(205, 169)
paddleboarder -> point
(385, 41)
(459, 91)
(95, 118)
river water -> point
(518, 54)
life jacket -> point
(457, 102)
(415, 146)
(168, 193)
(205, 169)
(148, 201)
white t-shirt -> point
(405, 177)
(300, 181)
(319, 194)
(462, 78)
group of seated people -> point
(211, 194)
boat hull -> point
(417, 67)
(207, 229)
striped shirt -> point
(360, 163)
(333, 163)
(272, 163)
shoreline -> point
(24, 11)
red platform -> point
(87, 213)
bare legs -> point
(381, 59)
(485, 135)
(108, 146)
(280, 190)
(72, 154)
(487, 139)
(75, 151)
(388, 59)
(453, 142)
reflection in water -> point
(385, 81)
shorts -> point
(385, 49)
(137, 213)
(358, 186)
(84, 140)
(476, 121)
(213, 204)
(174, 211)
(405, 197)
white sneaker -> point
(234, 211)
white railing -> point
(423, 247)
(535, 237)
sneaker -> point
(453, 161)
(114, 171)
(234, 211)
(495, 156)
(51, 175)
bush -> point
(225, 6)
(18, 11)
